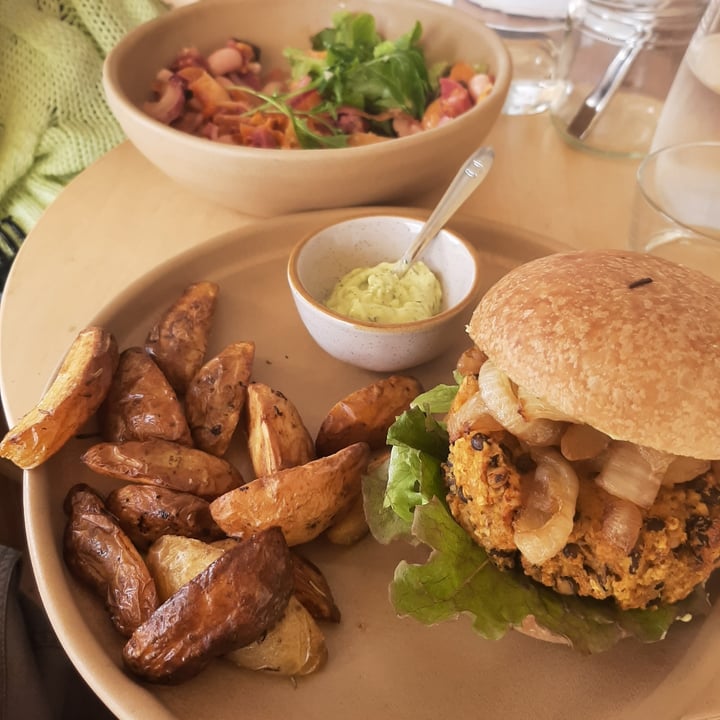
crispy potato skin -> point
(80, 386)
(100, 555)
(310, 585)
(216, 396)
(313, 590)
(277, 436)
(178, 341)
(231, 603)
(141, 403)
(366, 414)
(147, 512)
(295, 645)
(164, 463)
(301, 500)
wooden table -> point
(122, 217)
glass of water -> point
(676, 211)
(692, 109)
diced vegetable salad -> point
(350, 87)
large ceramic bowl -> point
(262, 181)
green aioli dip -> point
(379, 295)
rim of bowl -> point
(438, 319)
(110, 78)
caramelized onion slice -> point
(582, 442)
(621, 523)
(627, 474)
(502, 402)
(470, 361)
(658, 460)
(472, 416)
(535, 408)
(545, 522)
(684, 469)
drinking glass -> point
(692, 108)
(676, 211)
(533, 31)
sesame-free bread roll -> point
(623, 341)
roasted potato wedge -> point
(311, 587)
(228, 605)
(366, 414)
(80, 386)
(350, 526)
(295, 645)
(164, 463)
(147, 512)
(141, 404)
(216, 396)
(178, 341)
(313, 590)
(301, 500)
(100, 555)
(277, 436)
(174, 560)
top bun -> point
(626, 342)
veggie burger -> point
(569, 482)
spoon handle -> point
(470, 175)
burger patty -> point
(677, 548)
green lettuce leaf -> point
(405, 500)
(385, 525)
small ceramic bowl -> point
(317, 262)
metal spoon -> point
(470, 175)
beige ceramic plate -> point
(380, 666)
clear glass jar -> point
(533, 33)
(617, 64)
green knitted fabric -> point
(54, 120)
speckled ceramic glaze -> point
(320, 260)
(264, 182)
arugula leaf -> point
(405, 501)
(352, 30)
(307, 137)
(355, 67)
